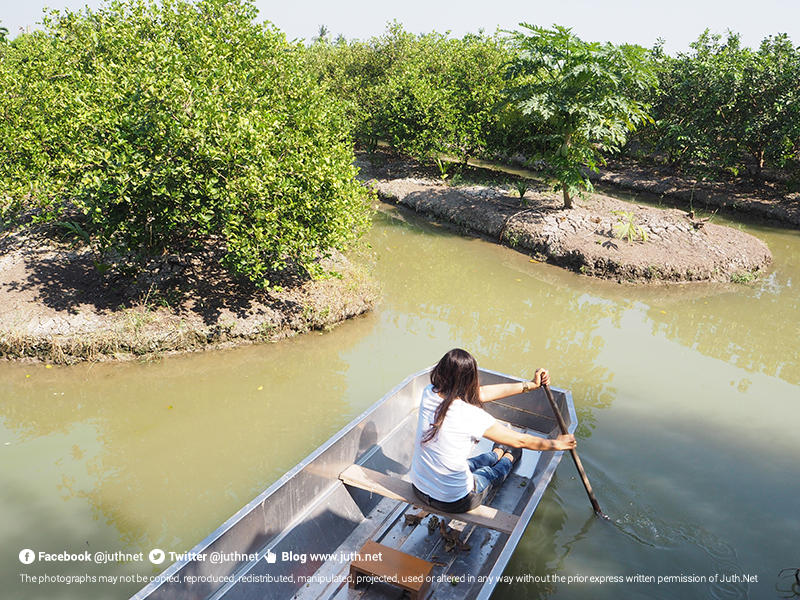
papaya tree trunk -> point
(564, 186)
(567, 197)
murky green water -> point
(689, 400)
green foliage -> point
(522, 187)
(581, 99)
(731, 107)
(3, 34)
(626, 226)
(743, 277)
(75, 229)
(425, 95)
(169, 124)
(443, 167)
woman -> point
(451, 420)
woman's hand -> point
(540, 378)
(565, 442)
(505, 435)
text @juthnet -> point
(101, 557)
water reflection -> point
(709, 320)
(555, 317)
(159, 452)
(538, 555)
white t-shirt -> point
(440, 467)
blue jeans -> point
(489, 473)
(488, 470)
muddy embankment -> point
(666, 245)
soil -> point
(769, 201)
(675, 246)
(57, 307)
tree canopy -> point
(169, 123)
(423, 94)
(726, 104)
(583, 98)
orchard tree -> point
(781, 95)
(170, 124)
(425, 95)
(728, 105)
(762, 118)
(582, 99)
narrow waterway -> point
(688, 397)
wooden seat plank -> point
(399, 489)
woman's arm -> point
(504, 435)
(497, 391)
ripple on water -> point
(642, 524)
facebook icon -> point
(27, 556)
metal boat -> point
(296, 540)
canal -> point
(688, 398)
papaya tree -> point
(582, 99)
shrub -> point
(169, 123)
(626, 226)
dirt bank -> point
(56, 306)
(769, 200)
(678, 247)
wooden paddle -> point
(563, 427)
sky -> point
(643, 22)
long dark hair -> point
(455, 376)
